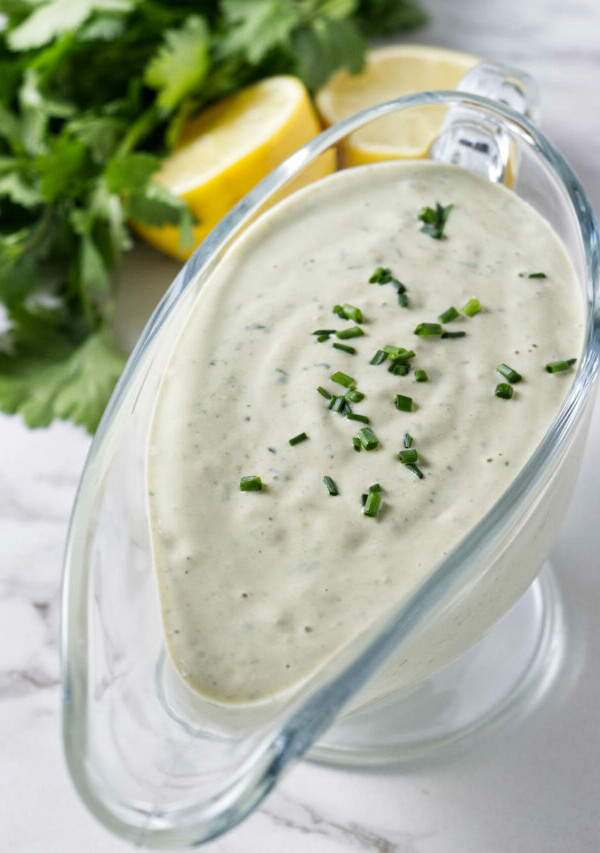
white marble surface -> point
(532, 788)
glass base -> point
(505, 675)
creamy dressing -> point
(259, 589)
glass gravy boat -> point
(162, 767)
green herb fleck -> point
(404, 355)
(452, 335)
(367, 438)
(421, 376)
(354, 396)
(426, 330)
(508, 373)
(407, 457)
(345, 348)
(414, 469)
(354, 417)
(251, 483)
(504, 391)
(343, 379)
(339, 405)
(331, 486)
(399, 368)
(472, 307)
(372, 504)
(537, 275)
(379, 357)
(324, 392)
(356, 443)
(559, 366)
(352, 332)
(297, 439)
(348, 312)
(434, 220)
(407, 440)
(403, 403)
(381, 276)
(448, 315)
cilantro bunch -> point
(92, 94)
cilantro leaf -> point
(64, 169)
(60, 382)
(13, 185)
(131, 172)
(92, 93)
(54, 17)
(155, 205)
(326, 45)
(259, 27)
(181, 64)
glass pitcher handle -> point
(482, 145)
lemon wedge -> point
(229, 147)
(390, 72)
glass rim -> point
(312, 714)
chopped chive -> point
(421, 376)
(354, 396)
(434, 220)
(322, 338)
(352, 416)
(339, 405)
(372, 504)
(392, 351)
(559, 366)
(448, 315)
(537, 275)
(348, 312)
(404, 355)
(363, 498)
(352, 332)
(407, 457)
(343, 379)
(356, 443)
(472, 307)
(375, 487)
(426, 330)
(379, 357)
(414, 469)
(302, 436)
(351, 312)
(504, 390)
(252, 483)
(381, 276)
(344, 348)
(454, 335)
(403, 403)
(324, 332)
(402, 299)
(367, 438)
(508, 373)
(407, 440)
(324, 392)
(331, 486)
(399, 368)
